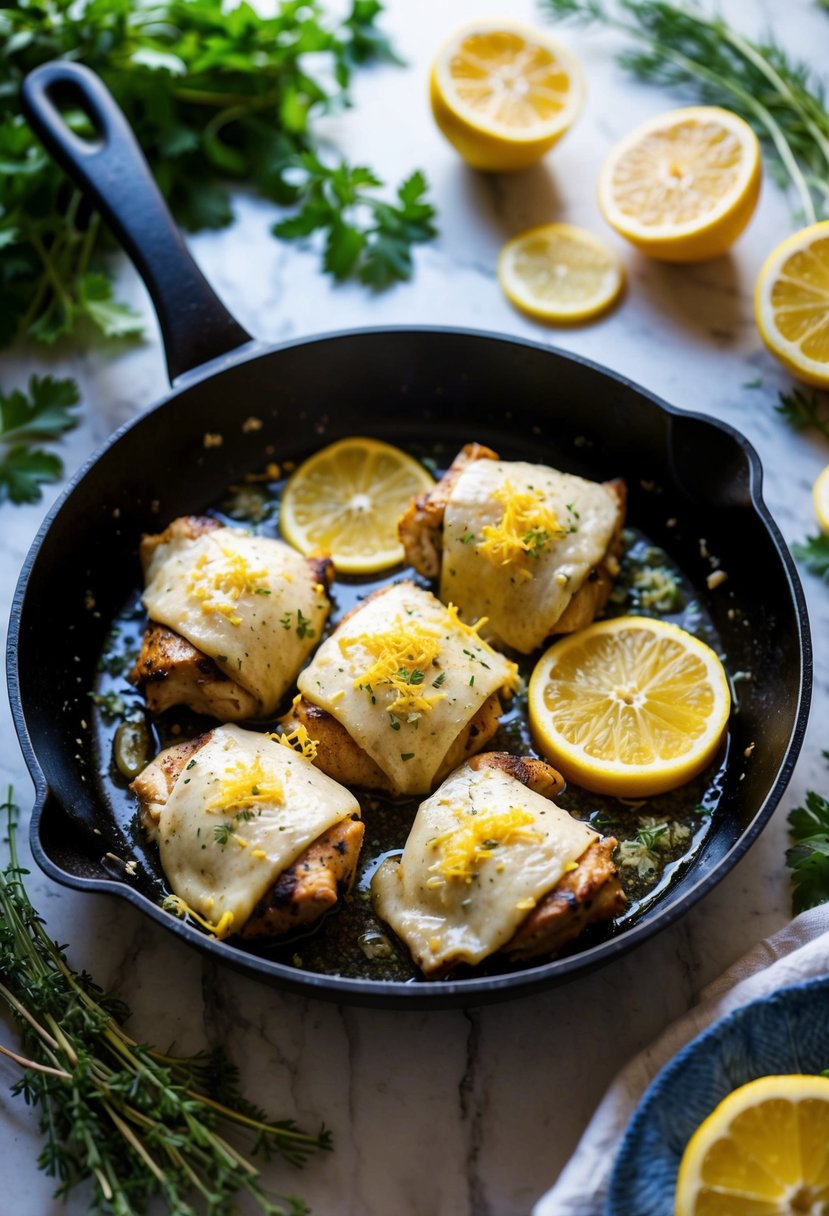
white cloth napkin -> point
(798, 952)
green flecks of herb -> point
(471, 681)
(407, 756)
(808, 858)
(192, 764)
(757, 382)
(394, 723)
(221, 658)
(111, 705)
(304, 628)
(436, 683)
(263, 591)
(804, 411)
(467, 538)
(534, 541)
(701, 809)
(29, 419)
(223, 832)
(413, 719)
(814, 553)
(285, 621)
(415, 676)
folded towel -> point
(798, 952)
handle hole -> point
(75, 110)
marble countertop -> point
(466, 1113)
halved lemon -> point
(345, 501)
(763, 1152)
(820, 497)
(559, 273)
(683, 186)
(503, 93)
(630, 706)
(791, 304)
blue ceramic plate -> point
(787, 1032)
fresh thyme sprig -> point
(682, 46)
(136, 1123)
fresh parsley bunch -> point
(808, 858)
(217, 96)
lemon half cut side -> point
(560, 273)
(764, 1151)
(503, 93)
(683, 186)
(791, 304)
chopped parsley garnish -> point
(407, 755)
(303, 625)
(440, 679)
(223, 832)
(467, 538)
(285, 621)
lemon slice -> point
(345, 501)
(791, 304)
(630, 706)
(504, 93)
(683, 186)
(820, 497)
(762, 1152)
(559, 273)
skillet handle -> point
(112, 170)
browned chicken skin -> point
(321, 875)
(171, 671)
(341, 757)
(421, 533)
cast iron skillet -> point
(410, 386)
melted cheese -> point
(519, 540)
(239, 814)
(404, 676)
(482, 852)
(252, 604)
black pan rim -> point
(418, 994)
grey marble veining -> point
(458, 1113)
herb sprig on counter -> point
(216, 96)
(681, 46)
(26, 421)
(808, 858)
(814, 553)
(135, 1123)
(804, 411)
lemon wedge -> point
(630, 706)
(762, 1151)
(345, 501)
(504, 93)
(683, 186)
(559, 273)
(791, 304)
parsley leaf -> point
(804, 410)
(809, 856)
(25, 420)
(814, 553)
(217, 95)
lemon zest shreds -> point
(297, 740)
(402, 656)
(526, 528)
(181, 909)
(219, 589)
(474, 840)
(245, 786)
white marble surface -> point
(458, 1113)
